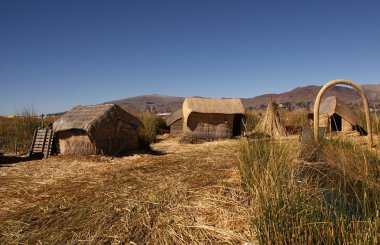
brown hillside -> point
(301, 97)
(156, 102)
(373, 92)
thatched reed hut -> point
(99, 129)
(175, 123)
(270, 124)
(212, 118)
(336, 116)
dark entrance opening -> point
(238, 124)
(336, 122)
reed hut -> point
(212, 118)
(336, 116)
(175, 123)
(270, 124)
(100, 129)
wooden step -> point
(42, 142)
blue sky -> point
(58, 54)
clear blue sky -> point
(58, 54)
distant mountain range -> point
(301, 97)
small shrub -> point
(161, 126)
(251, 121)
(148, 135)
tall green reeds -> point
(333, 200)
(16, 133)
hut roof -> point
(271, 124)
(332, 105)
(92, 118)
(220, 106)
(175, 116)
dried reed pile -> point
(271, 124)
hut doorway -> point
(238, 125)
(336, 122)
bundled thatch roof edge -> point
(90, 118)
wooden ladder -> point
(42, 142)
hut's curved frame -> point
(365, 102)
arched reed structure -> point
(365, 102)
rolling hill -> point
(154, 102)
(301, 97)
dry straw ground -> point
(229, 191)
(179, 194)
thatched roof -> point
(271, 124)
(216, 106)
(93, 118)
(175, 116)
(332, 105)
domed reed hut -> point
(175, 123)
(212, 118)
(99, 129)
(336, 116)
